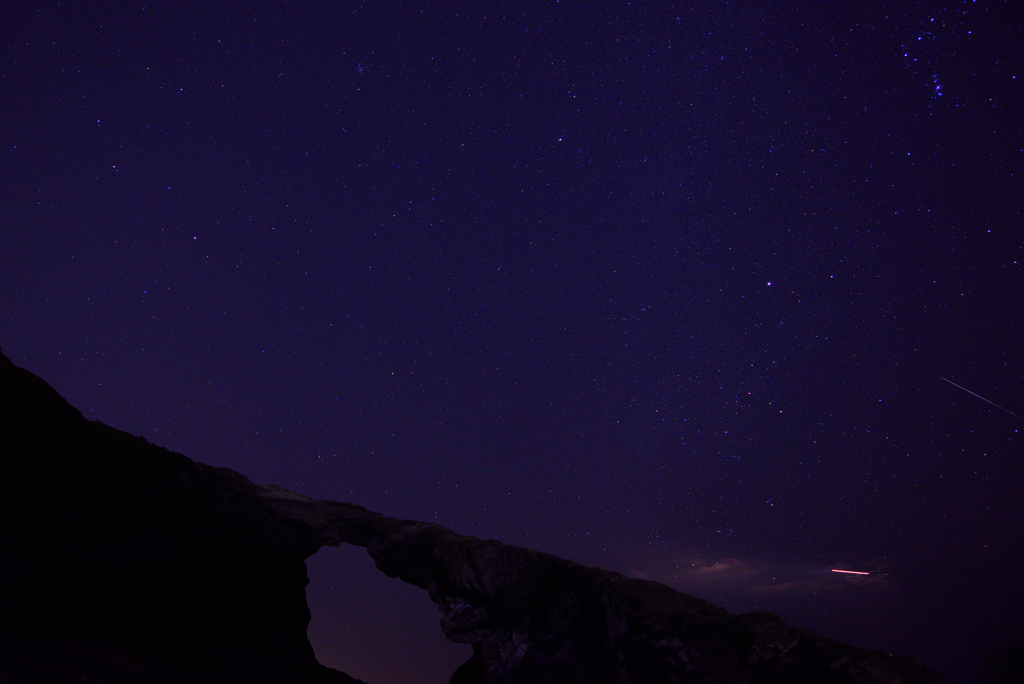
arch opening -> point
(375, 628)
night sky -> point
(667, 288)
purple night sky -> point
(669, 288)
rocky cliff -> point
(121, 561)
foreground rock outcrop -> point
(121, 561)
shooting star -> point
(851, 572)
(980, 397)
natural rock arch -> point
(121, 561)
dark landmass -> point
(121, 561)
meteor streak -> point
(851, 572)
(980, 397)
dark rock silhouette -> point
(1005, 665)
(121, 561)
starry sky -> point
(670, 288)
